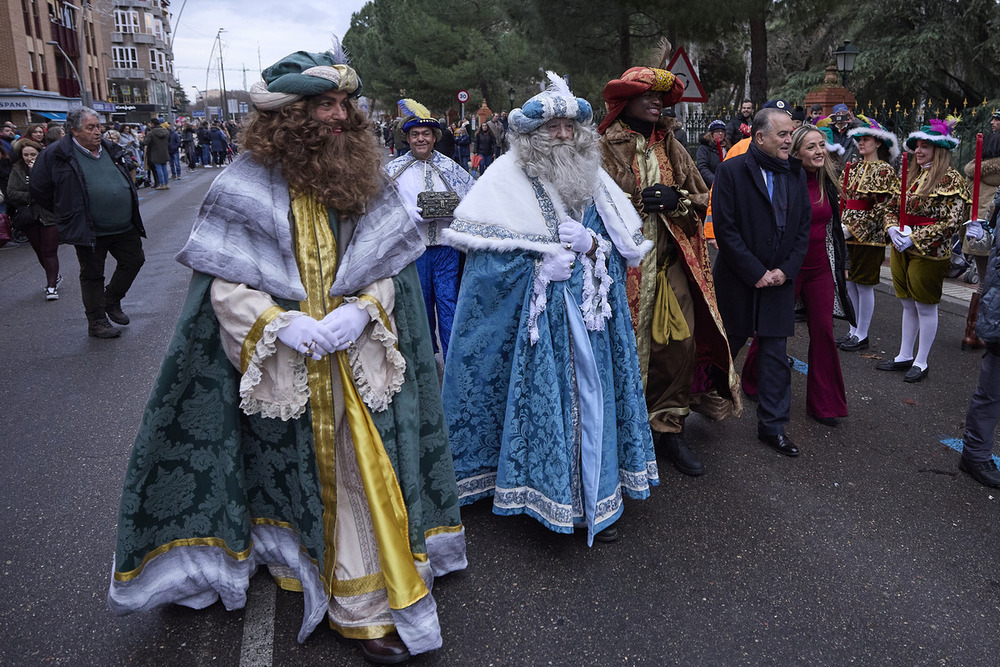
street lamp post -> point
(224, 110)
(510, 93)
(84, 93)
(846, 56)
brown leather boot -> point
(971, 341)
(388, 650)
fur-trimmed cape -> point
(501, 212)
(243, 234)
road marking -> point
(956, 444)
(257, 647)
(800, 366)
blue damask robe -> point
(520, 416)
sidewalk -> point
(955, 297)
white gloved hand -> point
(416, 214)
(306, 335)
(575, 236)
(344, 324)
(900, 237)
(974, 229)
(558, 266)
(847, 232)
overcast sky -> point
(257, 33)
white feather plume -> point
(337, 50)
(558, 85)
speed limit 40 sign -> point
(463, 96)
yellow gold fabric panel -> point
(187, 542)
(385, 499)
(253, 337)
(344, 588)
(263, 521)
(290, 584)
(443, 529)
(316, 256)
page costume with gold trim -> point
(872, 184)
(347, 492)
(948, 204)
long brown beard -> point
(343, 170)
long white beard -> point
(571, 167)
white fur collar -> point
(502, 213)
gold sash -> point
(668, 318)
(316, 254)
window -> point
(34, 74)
(126, 20)
(158, 28)
(41, 70)
(27, 17)
(149, 23)
(125, 57)
(157, 60)
(68, 16)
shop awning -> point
(51, 115)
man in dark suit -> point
(761, 210)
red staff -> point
(975, 177)
(902, 193)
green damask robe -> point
(212, 492)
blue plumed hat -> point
(416, 115)
(556, 101)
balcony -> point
(68, 87)
(126, 73)
(143, 38)
(117, 38)
(66, 37)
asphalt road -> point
(869, 549)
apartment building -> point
(141, 76)
(48, 48)
(120, 50)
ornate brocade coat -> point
(947, 204)
(620, 148)
(870, 184)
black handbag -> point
(22, 218)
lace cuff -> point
(596, 283)
(276, 382)
(538, 298)
(376, 362)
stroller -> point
(142, 179)
(962, 265)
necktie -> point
(769, 179)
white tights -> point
(922, 319)
(863, 299)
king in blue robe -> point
(542, 388)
